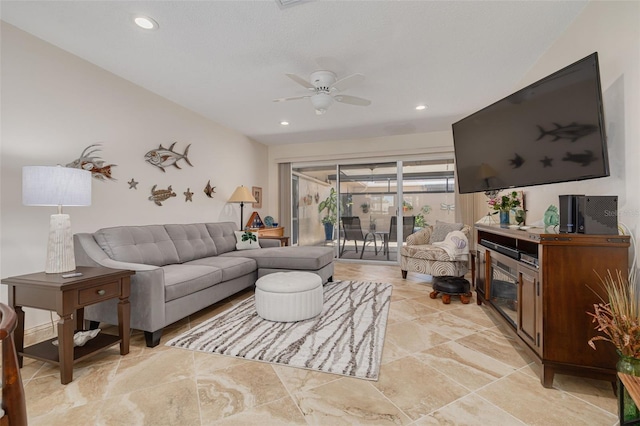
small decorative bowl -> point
(275, 224)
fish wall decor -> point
(572, 132)
(164, 157)
(160, 195)
(517, 161)
(209, 190)
(93, 163)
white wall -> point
(55, 104)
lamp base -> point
(60, 255)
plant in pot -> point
(330, 204)
(618, 319)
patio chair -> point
(352, 230)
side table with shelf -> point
(68, 297)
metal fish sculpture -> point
(93, 163)
(572, 132)
(517, 161)
(160, 195)
(582, 159)
(209, 190)
(162, 157)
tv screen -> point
(551, 131)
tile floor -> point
(442, 364)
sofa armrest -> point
(268, 242)
(421, 237)
(147, 288)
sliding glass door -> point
(367, 210)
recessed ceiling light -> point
(145, 22)
(284, 123)
(421, 107)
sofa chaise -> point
(183, 268)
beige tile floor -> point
(442, 365)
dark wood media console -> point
(542, 285)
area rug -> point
(346, 338)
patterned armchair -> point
(417, 255)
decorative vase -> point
(631, 366)
(504, 218)
(328, 231)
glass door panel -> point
(368, 201)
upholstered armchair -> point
(419, 255)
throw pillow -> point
(246, 240)
(441, 230)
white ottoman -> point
(289, 296)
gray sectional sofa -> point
(183, 268)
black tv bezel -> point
(601, 124)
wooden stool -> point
(451, 286)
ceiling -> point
(227, 60)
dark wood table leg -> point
(18, 334)
(65, 347)
(124, 317)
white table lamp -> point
(242, 195)
(57, 186)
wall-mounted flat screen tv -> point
(551, 131)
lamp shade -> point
(55, 186)
(242, 195)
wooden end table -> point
(68, 297)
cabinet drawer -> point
(95, 294)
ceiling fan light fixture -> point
(321, 102)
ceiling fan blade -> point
(352, 100)
(290, 99)
(347, 82)
(301, 81)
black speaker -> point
(598, 214)
(569, 213)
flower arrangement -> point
(618, 318)
(505, 203)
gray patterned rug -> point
(346, 338)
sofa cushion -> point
(192, 241)
(441, 230)
(223, 236)
(304, 258)
(232, 267)
(149, 244)
(182, 280)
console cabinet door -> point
(529, 312)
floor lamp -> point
(242, 195)
(57, 186)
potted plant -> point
(504, 205)
(330, 204)
(618, 319)
(406, 206)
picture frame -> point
(256, 191)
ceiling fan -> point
(326, 88)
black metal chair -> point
(408, 223)
(352, 230)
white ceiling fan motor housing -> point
(322, 80)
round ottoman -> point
(289, 296)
